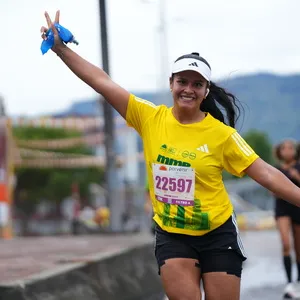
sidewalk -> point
(23, 258)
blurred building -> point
(128, 142)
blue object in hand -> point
(65, 35)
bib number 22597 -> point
(174, 184)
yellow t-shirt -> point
(184, 166)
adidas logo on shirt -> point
(203, 148)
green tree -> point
(52, 183)
(42, 133)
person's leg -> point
(221, 273)
(296, 236)
(221, 286)
(284, 228)
(178, 266)
(181, 279)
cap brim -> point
(191, 68)
(190, 64)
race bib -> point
(174, 184)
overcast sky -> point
(235, 36)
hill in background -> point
(271, 104)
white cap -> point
(192, 64)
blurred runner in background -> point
(288, 215)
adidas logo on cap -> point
(193, 64)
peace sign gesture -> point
(55, 37)
(44, 30)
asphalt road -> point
(263, 276)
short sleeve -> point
(138, 112)
(237, 155)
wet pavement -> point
(263, 277)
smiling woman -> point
(186, 149)
(192, 88)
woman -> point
(186, 147)
(288, 215)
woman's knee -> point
(284, 227)
(181, 279)
(285, 243)
(179, 294)
(286, 247)
(221, 286)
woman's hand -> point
(58, 44)
(92, 75)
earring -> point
(207, 92)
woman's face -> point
(288, 151)
(188, 89)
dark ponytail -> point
(222, 105)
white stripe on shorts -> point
(239, 240)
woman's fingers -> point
(43, 32)
(48, 19)
(51, 24)
(57, 16)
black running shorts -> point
(220, 250)
(286, 209)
